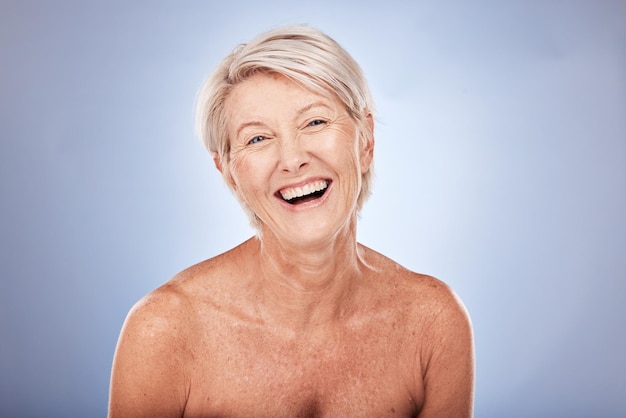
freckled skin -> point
(300, 321)
(204, 346)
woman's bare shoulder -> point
(177, 299)
(422, 291)
(159, 339)
(157, 316)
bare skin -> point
(210, 344)
(300, 321)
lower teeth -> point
(307, 198)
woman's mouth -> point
(305, 193)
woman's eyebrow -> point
(247, 125)
(311, 106)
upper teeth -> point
(293, 192)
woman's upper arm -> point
(148, 375)
(448, 361)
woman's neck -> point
(308, 285)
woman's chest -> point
(367, 371)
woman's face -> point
(296, 158)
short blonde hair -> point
(301, 53)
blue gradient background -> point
(501, 169)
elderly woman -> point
(300, 320)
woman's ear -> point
(367, 143)
(225, 173)
(218, 162)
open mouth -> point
(306, 193)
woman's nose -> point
(293, 156)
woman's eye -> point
(317, 122)
(256, 139)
